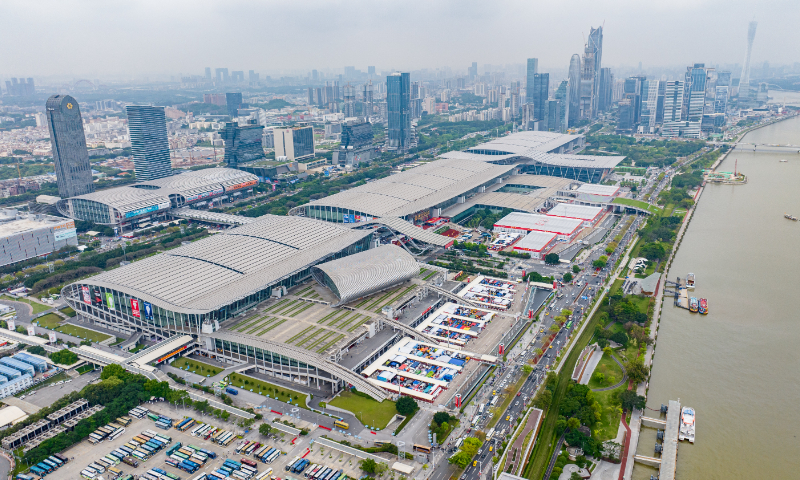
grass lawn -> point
(68, 311)
(610, 370)
(84, 369)
(265, 388)
(81, 332)
(637, 203)
(138, 348)
(194, 366)
(37, 307)
(368, 411)
(51, 321)
(608, 426)
(117, 341)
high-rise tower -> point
(147, 127)
(71, 159)
(574, 89)
(398, 94)
(744, 81)
(595, 43)
(532, 69)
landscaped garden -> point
(194, 366)
(265, 388)
(370, 412)
(83, 333)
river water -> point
(739, 366)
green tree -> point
(566, 313)
(567, 277)
(551, 259)
(554, 328)
(600, 262)
(543, 399)
(406, 406)
(630, 400)
(653, 251)
(441, 417)
(538, 352)
(636, 370)
(38, 350)
(368, 465)
(264, 429)
(113, 370)
(64, 357)
(576, 269)
(573, 423)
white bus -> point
(459, 442)
(481, 408)
(494, 401)
(476, 420)
(265, 475)
(489, 434)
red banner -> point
(135, 307)
(86, 297)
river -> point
(739, 366)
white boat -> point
(690, 281)
(686, 431)
(783, 160)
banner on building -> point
(31, 330)
(148, 310)
(11, 325)
(110, 301)
(52, 336)
(135, 308)
(87, 298)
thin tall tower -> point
(744, 81)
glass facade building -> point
(147, 126)
(243, 143)
(398, 95)
(541, 92)
(68, 141)
(234, 103)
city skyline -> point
(170, 44)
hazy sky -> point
(91, 38)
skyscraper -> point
(472, 71)
(595, 43)
(650, 96)
(398, 92)
(557, 121)
(744, 80)
(673, 101)
(147, 127)
(208, 73)
(587, 83)
(606, 86)
(695, 92)
(71, 159)
(532, 69)
(234, 102)
(541, 92)
(242, 142)
(574, 89)
(222, 75)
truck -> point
(231, 390)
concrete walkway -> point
(588, 371)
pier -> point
(669, 448)
(680, 292)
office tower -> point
(541, 92)
(721, 99)
(349, 72)
(515, 100)
(369, 98)
(243, 142)
(295, 143)
(595, 43)
(310, 100)
(625, 115)
(587, 83)
(562, 117)
(606, 85)
(314, 76)
(649, 102)
(633, 91)
(20, 87)
(429, 105)
(673, 101)
(349, 106)
(472, 71)
(398, 91)
(371, 70)
(147, 127)
(237, 76)
(336, 92)
(724, 78)
(695, 92)
(234, 103)
(356, 135)
(208, 73)
(744, 80)
(662, 89)
(252, 77)
(574, 89)
(222, 75)
(531, 70)
(71, 159)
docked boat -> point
(686, 431)
(690, 280)
(783, 160)
(790, 217)
(703, 306)
(693, 304)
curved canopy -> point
(367, 272)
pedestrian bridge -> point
(187, 213)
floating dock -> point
(669, 454)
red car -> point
(518, 394)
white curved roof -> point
(367, 272)
(417, 189)
(216, 271)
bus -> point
(422, 448)
(481, 408)
(569, 324)
(489, 434)
(494, 401)
(341, 424)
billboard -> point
(148, 310)
(65, 230)
(135, 308)
(238, 186)
(199, 196)
(110, 300)
(98, 297)
(151, 208)
(11, 325)
(87, 298)
(52, 336)
(31, 330)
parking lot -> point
(47, 395)
(85, 453)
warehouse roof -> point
(417, 189)
(535, 241)
(534, 156)
(570, 210)
(231, 265)
(594, 189)
(543, 223)
(364, 273)
(522, 142)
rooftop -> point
(417, 189)
(570, 210)
(594, 189)
(535, 241)
(544, 223)
(30, 223)
(217, 271)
